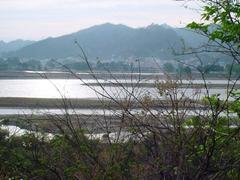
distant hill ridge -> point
(13, 45)
(109, 41)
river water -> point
(72, 88)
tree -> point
(13, 63)
(234, 69)
(168, 67)
(166, 141)
(51, 65)
(221, 26)
(32, 64)
(184, 69)
(211, 68)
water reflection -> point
(58, 88)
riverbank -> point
(101, 75)
(51, 123)
(38, 103)
(50, 103)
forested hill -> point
(111, 41)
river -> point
(72, 88)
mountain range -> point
(109, 41)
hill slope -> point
(13, 45)
(108, 41)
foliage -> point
(168, 67)
(15, 63)
(234, 69)
(225, 14)
(170, 144)
(211, 68)
(235, 105)
(183, 69)
(222, 26)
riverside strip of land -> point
(105, 75)
(84, 103)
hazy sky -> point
(38, 19)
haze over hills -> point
(14, 45)
(109, 41)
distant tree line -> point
(207, 69)
(15, 63)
